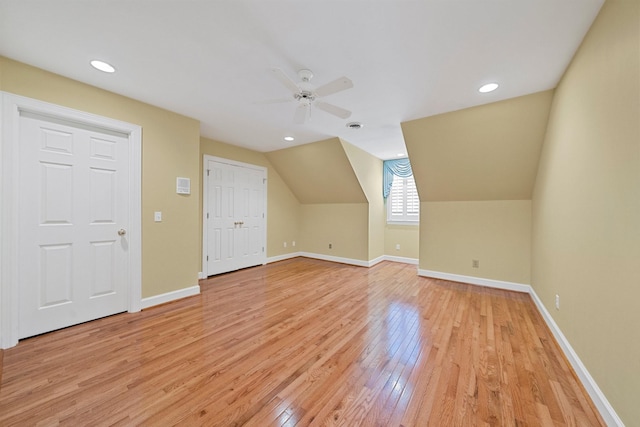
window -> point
(403, 204)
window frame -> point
(405, 219)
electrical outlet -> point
(330, 246)
(398, 247)
(475, 263)
(293, 243)
(285, 244)
(557, 302)
(157, 216)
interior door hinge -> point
(207, 257)
(264, 180)
(207, 215)
(263, 249)
(208, 170)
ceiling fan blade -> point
(332, 109)
(285, 80)
(301, 114)
(337, 85)
(274, 101)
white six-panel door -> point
(73, 204)
(234, 216)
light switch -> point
(157, 216)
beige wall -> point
(283, 209)
(586, 206)
(318, 173)
(475, 170)
(342, 225)
(368, 170)
(407, 236)
(496, 233)
(169, 149)
(334, 207)
(488, 152)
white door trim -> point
(205, 203)
(11, 107)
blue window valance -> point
(399, 167)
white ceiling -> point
(211, 60)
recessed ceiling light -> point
(401, 154)
(102, 66)
(289, 138)
(489, 87)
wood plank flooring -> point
(303, 342)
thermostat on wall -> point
(183, 185)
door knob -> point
(122, 232)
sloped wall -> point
(486, 157)
(368, 170)
(318, 173)
(489, 152)
(334, 208)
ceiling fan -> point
(306, 95)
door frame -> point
(11, 107)
(205, 202)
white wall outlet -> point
(285, 244)
(398, 247)
(475, 263)
(293, 243)
(557, 302)
(157, 216)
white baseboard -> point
(597, 396)
(342, 260)
(404, 260)
(169, 296)
(201, 276)
(331, 258)
(490, 283)
(283, 257)
(375, 261)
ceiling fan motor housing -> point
(305, 75)
(304, 95)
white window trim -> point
(410, 223)
(391, 221)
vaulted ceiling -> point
(212, 60)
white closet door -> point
(235, 217)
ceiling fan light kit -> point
(306, 95)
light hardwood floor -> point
(303, 342)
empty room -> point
(285, 213)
